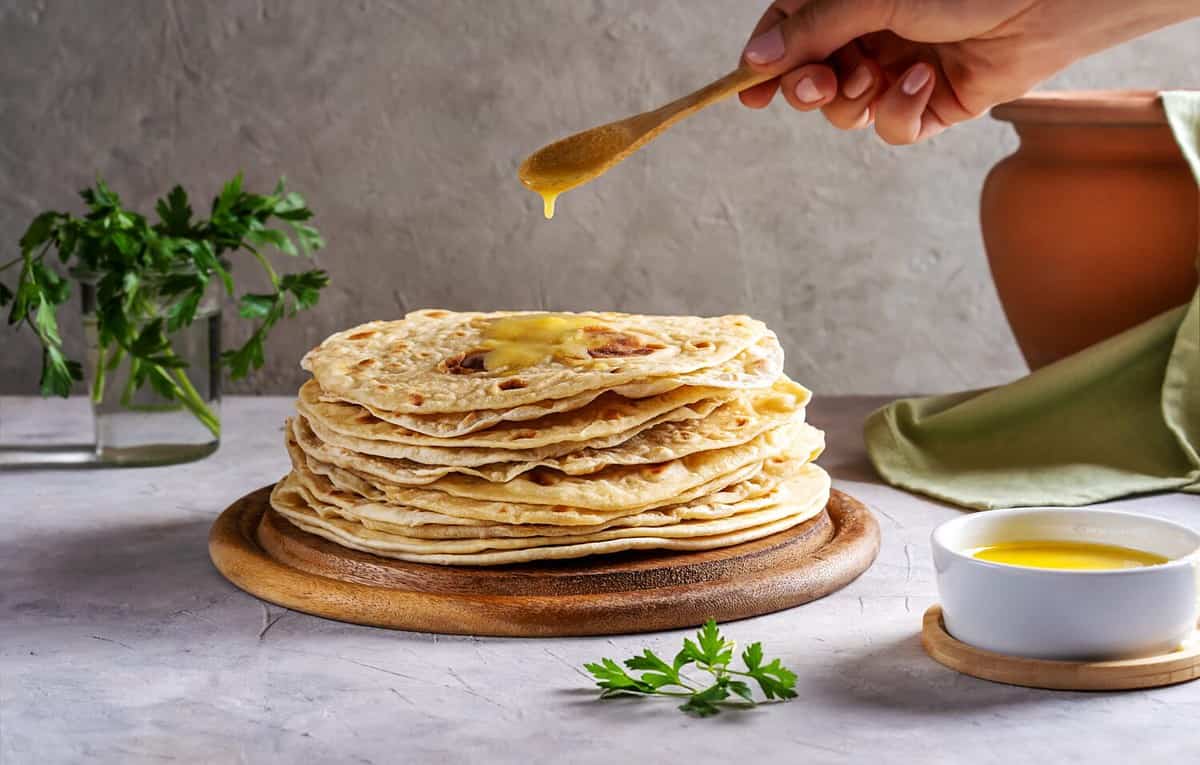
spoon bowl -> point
(577, 159)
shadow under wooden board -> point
(262, 553)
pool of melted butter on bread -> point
(1071, 556)
(513, 343)
(517, 342)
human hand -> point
(912, 68)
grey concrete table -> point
(120, 643)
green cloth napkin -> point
(1119, 418)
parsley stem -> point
(12, 263)
(101, 374)
(266, 266)
(675, 693)
(130, 385)
(191, 398)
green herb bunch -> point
(711, 653)
(150, 279)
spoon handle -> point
(737, 80)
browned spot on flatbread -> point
(513, 384)
(363, 335)
(541, 478)
(609, 344)
(465, 363)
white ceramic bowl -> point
(1062, 614)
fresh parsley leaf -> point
(39, 230)
(706, 703)
(305, 287)
(256, 306)
(775, 680)
(752, 656)
(150, 280)
(615, 680)
(58, 373)
(709, 652)
(175, 213)
(659, 672)
(741, 689)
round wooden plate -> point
(1149, 672)
(265, 555)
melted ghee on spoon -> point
(574, 160)
(579, 158)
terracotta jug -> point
(1091, 225)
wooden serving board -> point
(1126, 674)
(265, 555)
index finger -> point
(814, 30)
(760, 95)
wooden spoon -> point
(579, 158)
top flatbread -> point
(414, 365)
(756, 367)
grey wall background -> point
(403, 121)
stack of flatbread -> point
(491, 438)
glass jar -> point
(142, 426)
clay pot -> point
(1091, 225)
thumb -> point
(814, 31)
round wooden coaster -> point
(1149, 672)
(265, 555)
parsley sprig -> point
(709, 652)
(150, 280)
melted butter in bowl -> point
(1068, 584)
(1071, 556)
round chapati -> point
(608, 415)
(769, 486)
(688, 535)
(618, 489)
(737, 421)
(414, 365)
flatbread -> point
(810, 486)
(618, 489)
(756, 367)
(414, 365)
(608, 415)
(735, 422)
(472, 456)
(770, 486)
(356, 536)
(510, 511)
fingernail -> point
(766, 48)
(916, 79)
(858, 82)
(806, 91)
